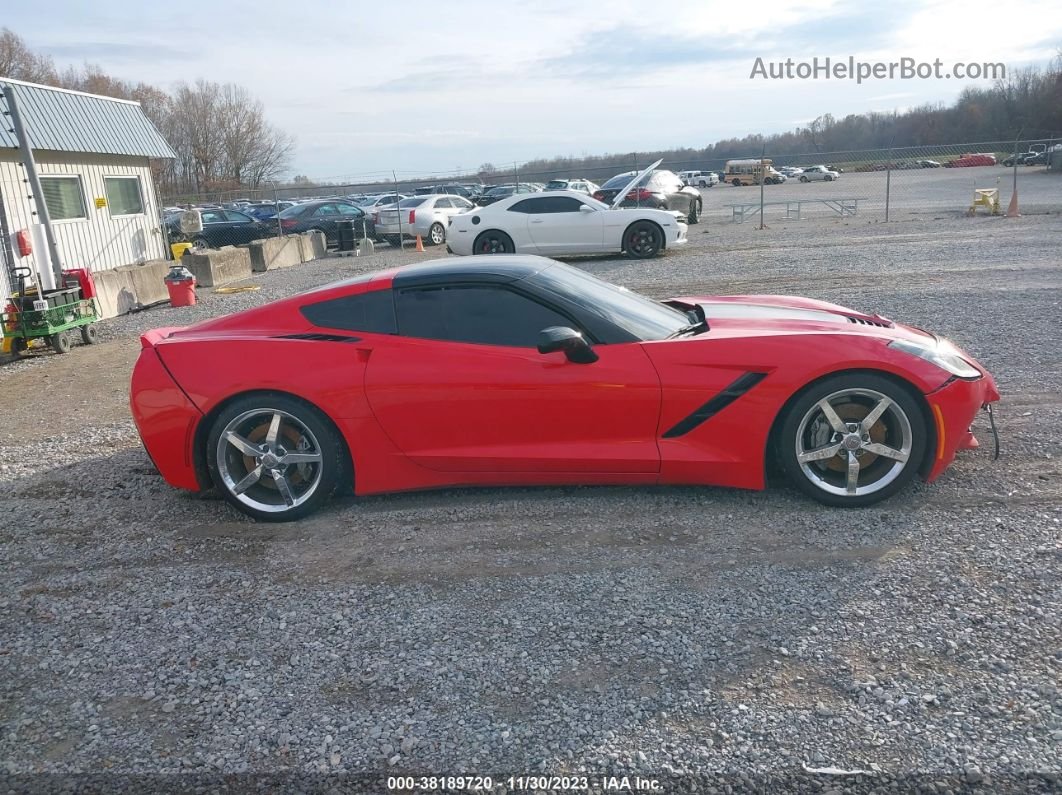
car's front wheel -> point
(274, 457)
(828, 178)
(804, 179)
(437, 234)
(853, 439)
(643, 240)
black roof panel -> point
(504, 268)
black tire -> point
(200, 244)
(736, 182)
(90, 334)
(436, 234)
(493, 241)
(901, 430)
(60, 342)
(643, 240)
(263, 498)
(828, 178)
(19, 347)
(695, 207)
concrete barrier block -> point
(314, 245)
(121, 289)
(220, 266)
(275, 252)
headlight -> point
(942, 354)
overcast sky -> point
(426, 87)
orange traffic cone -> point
(420, 245)
(1012, 210)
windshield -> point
(644, 318)
(557, 184)
(620, 180)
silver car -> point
(426, 216)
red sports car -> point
(521, 370)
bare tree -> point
(19, 62)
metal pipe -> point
(34, 180)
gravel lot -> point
(733, 636)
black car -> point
(324, 215)
(660, 189)
(220, 228)
(503, 192)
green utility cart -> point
(51, 316)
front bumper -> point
(952, 408)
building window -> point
(123, 195)
(64, 197)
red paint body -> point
(418, 414)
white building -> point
(92, 154)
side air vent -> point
(314, 337)
(861, 322)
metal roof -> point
(61, 120)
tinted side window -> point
(373, 312)
(482, 315)
(241, 218)
(526, 206)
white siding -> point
(98, 242)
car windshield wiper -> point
(699, 324)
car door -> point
(463, 388)
(242, 228)
(559, 225)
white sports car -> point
(565, 222)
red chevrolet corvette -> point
(522, 370)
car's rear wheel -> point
(695, 207)
(274, 457)
(736, 182)
(853, 440)
(643, 240)
(803, 179)
(200, 244)
(437, 234)
(493, 242)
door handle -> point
(536, 220)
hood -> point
(634, 181)
(791, 313)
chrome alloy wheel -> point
(854, 442)
(269, 460)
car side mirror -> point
(585, 208)
(562, 338)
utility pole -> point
(36, 192)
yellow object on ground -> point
(178, 249)
(5, 346)
(985, 197)
(245, 289)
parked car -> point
(502, 191)
(972, 160)
(324, 215)
(562, 223)
(578, 185)
(370, 204)
(657, 188)
(817, 174)
(1036, 158)
(267, 210)
(928, 163)
(427, 216)
(699, 179)
(791, 172)
(523, 370)
(221, 227)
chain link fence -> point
(872, 185)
